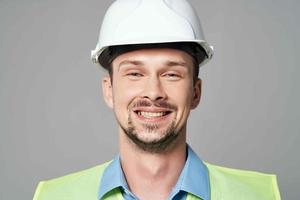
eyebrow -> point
(168, 63)
(132, 62)
(176, 63)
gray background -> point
(53, 120)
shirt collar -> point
(112, 178)
(193, 179)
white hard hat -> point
(130, 22)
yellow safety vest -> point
(225, 184)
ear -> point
(197, 93)
(107, 91)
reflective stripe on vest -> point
(225, 184)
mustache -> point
(158, 104)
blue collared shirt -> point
(193, 179)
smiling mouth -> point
(152, 115)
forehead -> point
(155, 55)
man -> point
(152, 50)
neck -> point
(152, 175)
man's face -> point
(152, 94)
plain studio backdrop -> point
(53, 120)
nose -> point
(154, 90)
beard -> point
(167, 137)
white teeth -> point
(151, 114)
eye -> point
(134, 74)
(172, 75)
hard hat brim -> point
(206, 47)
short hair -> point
(194, 50)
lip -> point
(156, 119)
(151, 109)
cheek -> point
(124, 93)
(182, 92)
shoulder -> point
(245, 184)
(80, 185)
